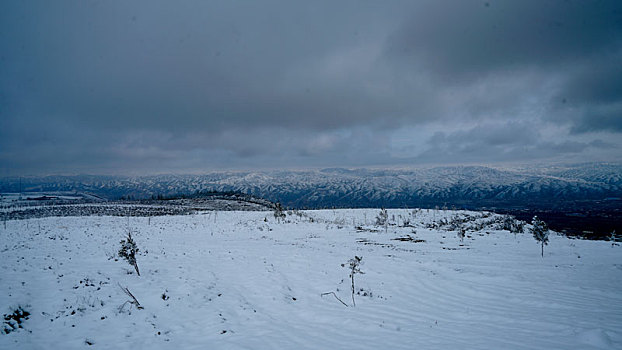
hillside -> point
(243, 280)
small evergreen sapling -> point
(540, 232)
(461, 234)
(354, 265)
(510, 223)
(614, 238)
(278, 212)
(128, 251)
(383, 218)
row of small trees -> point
(539, 229)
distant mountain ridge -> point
(458, 186)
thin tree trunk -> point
(542, 249)
(136, 267)
(353, 302)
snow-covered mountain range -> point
(459, 186)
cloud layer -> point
(117, 87)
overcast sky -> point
(187, 86)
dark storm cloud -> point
(577, 43)
(592, 98)
(475, 38)
(502, 143)
(105, 86)
(200, 64)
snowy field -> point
(242, 280)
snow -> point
(242, 280)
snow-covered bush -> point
(14, 320)
(511, 224)
(540, 232)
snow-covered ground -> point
(242, 280)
